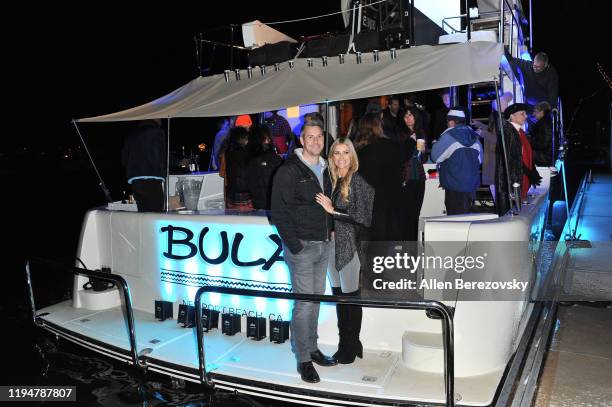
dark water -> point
(42, 214)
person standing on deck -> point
(304, 227)
(351, 204)
(521, 169)
(144, 158)
(458, 155)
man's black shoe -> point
(320, 359)
(308, 372)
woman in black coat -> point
(413, 187)
(541, 135)
(380, 164)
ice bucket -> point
(190, 191)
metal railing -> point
(445, 313)
(513, 23)
(577, 206)
(114, 278)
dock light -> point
(201, 147)
(186, 315)
(226, 74)
(341, 58)
(393, 53)
(376, 56)
(230, 324)
(309, 60)
(279, 331)
(324, 60)
(163, 310)
(237, 72)
(256, 328)
(210, 319)
(292, 64)
(250, 71)
(262, 69)
(358, 57)
(276, 66)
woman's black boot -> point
(350, 345)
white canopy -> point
(414, 69)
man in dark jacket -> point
(518, 168)
(540, 79)
(304, 227)
(144, 158)
(261, 170)
(541, 133)
(458, 155)
(390, 119)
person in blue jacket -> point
(458, 155)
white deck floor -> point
(379, 374)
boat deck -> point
(172, 348)
(578, 368)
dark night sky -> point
(98, 60)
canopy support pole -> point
(168, 170)
(326, 128)
(101, 184)
(503, 140)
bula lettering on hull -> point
(181, 237)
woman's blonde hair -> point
(333, 170)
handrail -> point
(577, 206)
(503, 4)
(447, 323)
(114, 278)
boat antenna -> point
(101, 184)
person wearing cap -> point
(521, 168)
(458, 155)
(244, 121)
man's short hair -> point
(311, 122)
(543, 107)
(542, 57)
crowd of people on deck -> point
(371, 186)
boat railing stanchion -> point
(516, 188)
(114, 278)
(36, 320)
(443, 310)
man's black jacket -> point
(295, 212)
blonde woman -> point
(350, 205)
